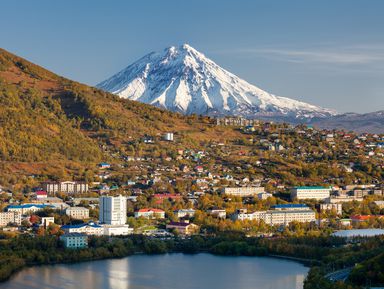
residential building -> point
(342, 199)
(264, 196)
(79, 213)
(168, 136)
(150, 213)
(113, 210)
(243, 191)
(41, 195)
(284, 217)
(117, 230)
(218, 213)
(183, 228)
(380, 204)
(86, 228)
(159, 198)
(10, 217)
(290, 207)
(25, 209)
(277, 217)
(69, 187)
(337, 207)
(46, 221)
(317, 193)
(184, 213)
(104, 165)
(74, 240)
(242, 214)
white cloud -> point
(360, 54)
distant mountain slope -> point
(369, 122)
(182, 79)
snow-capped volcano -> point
(182, 79)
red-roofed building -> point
(159, 198)
(150, 213)
(363, 218)
(183, 228)
(41, 195)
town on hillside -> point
(274, 180)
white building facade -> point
(243, 191)
(69, 187)
(9, 217)
(74, 240)
(317, 193)
(113, 210)
(277, 217)
(78, 213)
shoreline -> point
(306, 262)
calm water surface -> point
(171, 271)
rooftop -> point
(311, 188)
(289, 206)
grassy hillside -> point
(49, 120)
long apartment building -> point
(278, 216)
(68, 187)
(78, 213)
(317, 193)
(243, 191)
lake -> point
(169, 271)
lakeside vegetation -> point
(322, 254)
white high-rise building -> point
(113, 210)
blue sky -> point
(328, 53)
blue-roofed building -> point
(308, 192)
(25, 209)
(104, 165)
(85, 228)
(290, 207)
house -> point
(218, 213)
(78, 213)
(150, 213)
(74, 240)
(264, 196)
(41, 195)
(86, 228)
(168, 136)
(183, 228)
(199, 169)
(46, 221)
(104, 165)
(159, 198)
(363, 218)
(184, 213)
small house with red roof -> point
(41, 195)
(150, 213)
(183, 228)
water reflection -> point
(165, 272)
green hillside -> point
(47, 119)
